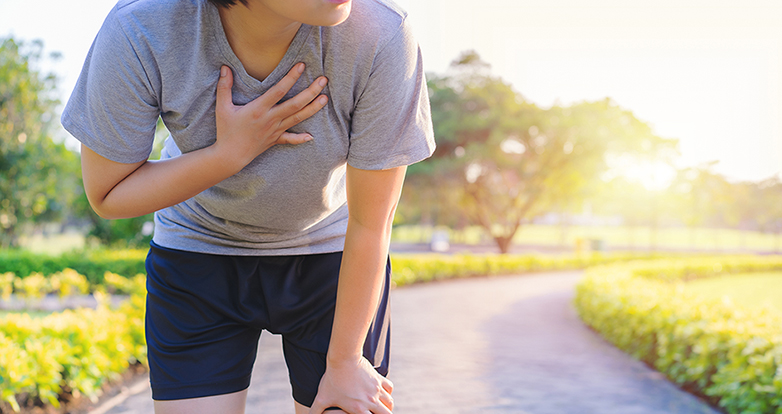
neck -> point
(255, 26)
(258, 36)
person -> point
(291, 125)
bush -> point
(93, 264)
(416, 268)
(729, 354)
(80, 350)
(75, 350)
(408, 268)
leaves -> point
(509, 160)
(76, 349)
(37, 175)
(726, 352)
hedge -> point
(416, 268)
(407, 268)
(79, 350)
(93, 264)
(730, 355)
(75, 351)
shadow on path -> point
(544, 360)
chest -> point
(259, 63)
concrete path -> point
(499, 345)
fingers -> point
(278, 91)
(295, 104)
(387, 384)
(382, 409)
(388, 401)
(295, 139)
(224, 84)
(304, 113)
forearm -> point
(360, 285)
(159, 184)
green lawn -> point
(750, 289)
(34, 314)
(621, 237)
(613, 236)
(53, 244)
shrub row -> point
(75, 351)
(408, 268)
(66, 283)
(415, 268)
(78, 351)
(91, 263)
(729, 354)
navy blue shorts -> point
(205, 314)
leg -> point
(306, 357)
(219, 404)
(201, 348)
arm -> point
(350, 382)
(117, 190)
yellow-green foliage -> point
(414, 268)
(91, 263)
(729, 353)
(76, 349)
(69, 282)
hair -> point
(227, 3)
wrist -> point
(228, 161)
(347, 359)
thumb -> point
(224, 85)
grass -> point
(53, 244)
(32, 313)
(748, 290)
(619, 237)
(622, 237)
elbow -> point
(103, 210)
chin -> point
(336, 16)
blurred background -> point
(617, 125)
(571, 135)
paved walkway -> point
(489, 345)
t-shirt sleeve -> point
(391, 125)
(113, 109)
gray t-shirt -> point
(163, 57)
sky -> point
(706, 72)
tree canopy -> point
(37, 175)
(506, 159)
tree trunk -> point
(8, 238)
(503, 242)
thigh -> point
(201, 342)
(305, 343)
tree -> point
(510, 159)
(37, 175)
(769, 208)
(706, 198)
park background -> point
(564, 129)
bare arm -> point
(117, 190)
(350, 378)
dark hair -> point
(227, 3)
